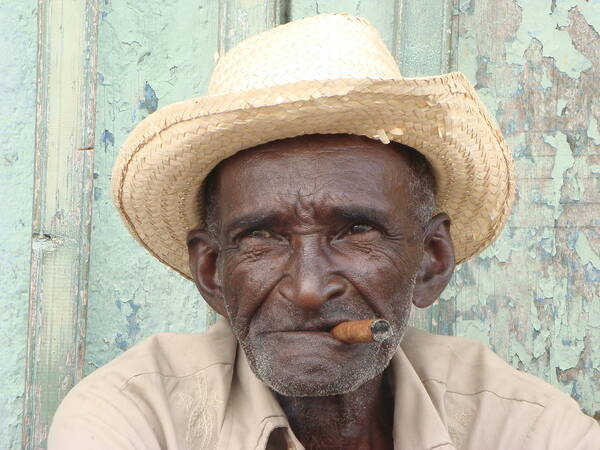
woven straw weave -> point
(324, 74)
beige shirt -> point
(196, 391)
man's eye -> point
(360, 228)
(259, 233)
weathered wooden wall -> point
(60, 228)
(150, 54)
(534, 297)
(18, 31)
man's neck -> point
(361, 419)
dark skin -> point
(313, 231)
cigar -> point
(359, 331)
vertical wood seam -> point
(62, 194)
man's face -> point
(315, 231)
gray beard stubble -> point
(265, 367)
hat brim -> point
(162, 164)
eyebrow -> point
(256, 219)
(352, 213)
(363, 214)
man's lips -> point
(302, 332)
(313, 326)
(299, 338)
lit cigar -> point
(358, 331)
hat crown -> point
(326, 46)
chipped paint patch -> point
(594, 130)
(547, 26)
(545, 82)
(107, 138)
(150, 101)
(591, 11)
(586, 252)
(563, 160)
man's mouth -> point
(304, 336)
(313, 326)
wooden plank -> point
(423, 36)
(67, 43)
(238, 20)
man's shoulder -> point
(468, 367)
(172, 355)
(145, 397)
(486, 403)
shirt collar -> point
(417, 422)
(252, 411)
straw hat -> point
(328, 73)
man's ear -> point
(437, 264)
(203, 252)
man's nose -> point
(310, 279)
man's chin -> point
(295, 388)
(314, 377)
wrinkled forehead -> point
(311, 171)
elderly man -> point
(294, 198)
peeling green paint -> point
(590, 9)
(18, 35)
(475, 329)
(594, 130)
(546, 25)
(561, 104)
(539, 281)
(545, 82)
(150, 55)
(585, 251)
(563, 160)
